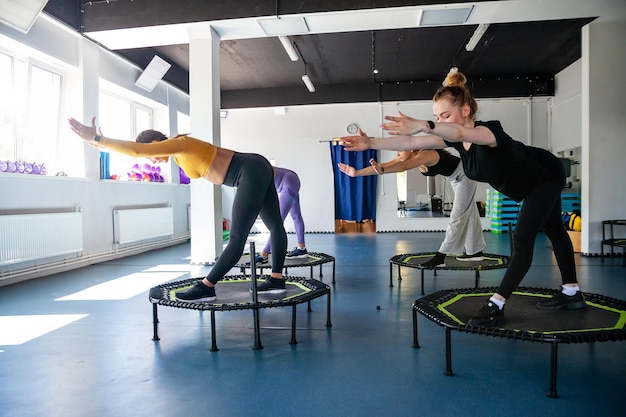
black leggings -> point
(255, 196)
(541, 211)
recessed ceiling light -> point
(442, 17)
(283, 26)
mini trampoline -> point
(314, 258)
(234, 294)
(602, 321)
(415, 260)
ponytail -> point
(455, 90)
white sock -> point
(499, 303)
(570, 290)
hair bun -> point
(455, 78)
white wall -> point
(293, 141)
(566, 109)
(85, 191)
(603, 128)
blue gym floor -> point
(89, 350)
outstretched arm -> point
(155, 149)
(87, 133)
(362, 142)
(374, 169)
(427, 158)
(403, 125)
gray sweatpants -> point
(464, 229)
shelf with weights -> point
(570, 202)
(502, 210)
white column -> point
(89, 57)
(204, 109)
(603, 128)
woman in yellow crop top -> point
(256, 195)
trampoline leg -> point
(311, 272)
(390, 274)
(308, 306)
(422, 281)
(257, 333)
(333, 271)
(448, 371)
(155, 323)
(553, 364)
(321, 275)
(293, 325)
(328, 323)
(399, 274)
(476, 278)
(213, 333)
(416, 343)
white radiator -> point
(27, 237)
(136, 225)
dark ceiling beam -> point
(517, 87)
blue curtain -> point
(355, 198)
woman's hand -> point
(87, 133)
(347, 169)
(402, 125)
(377, 168)
(356, 143)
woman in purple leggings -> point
(288, 187)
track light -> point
(478, 33)
(308, 83)
(291, 51)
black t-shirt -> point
(511, 167)
(446, 165)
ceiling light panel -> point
(443, 17)
(153, 73)
(283, 26)
(21, 14)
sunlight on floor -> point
(123, 288)
(15, 330)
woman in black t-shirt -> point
(523, 173)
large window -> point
(30, 112)
(121, 118)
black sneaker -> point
(258, 259)
(271, 286)
(298, 253)
(489, 315)
(199, 293)
(477, 257)
(560, 301)
(435, 261)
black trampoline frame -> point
(472, 266)
(427, 306)
(324, 259)
(159, 295)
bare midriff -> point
(217, 171)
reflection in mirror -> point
(420, 196)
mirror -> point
(420, 196)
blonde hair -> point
(455, 90)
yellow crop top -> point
(192, 155)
